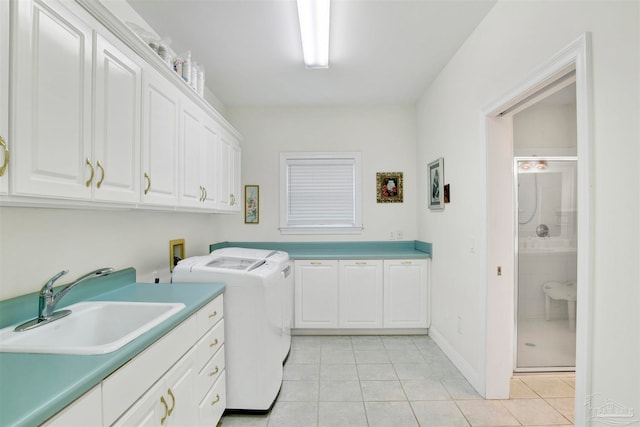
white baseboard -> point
(463, 366)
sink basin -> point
(94, 327)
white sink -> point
(95, 327)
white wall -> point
(384, 135)
(35, 243)
(505, 48)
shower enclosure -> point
(546, 255)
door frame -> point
(497, 290)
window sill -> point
(321, 230)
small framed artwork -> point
(446, 193)
(251, 204)
(436, 183)
(389, 187)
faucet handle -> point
(50, 282)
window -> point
(320, 193)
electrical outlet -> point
(399, 235)
(392, 235)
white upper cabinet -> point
(52, 101)
(97, 119)
(199, 158)
(230, 198)
(160, 140)
(4, 97)
(116, 153)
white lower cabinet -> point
(178, 381)
(84, 412)
(361, 294)
(405, 293)
(316, 294)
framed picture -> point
(436, 184)
(389, 187)
(251, 204)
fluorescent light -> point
(314, 29)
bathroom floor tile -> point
(564, 405)
(460, 389)
(534, 412)
(332, 355)
(519, 390)
(301, 372)
(371, 356)
(304, 357)
(549, 386)
(414, 371)
(405, 356)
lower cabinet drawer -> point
(210, 373)
(210, 344)
(214, 403)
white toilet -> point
(561, 291)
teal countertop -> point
(341, 250)
(34, 387)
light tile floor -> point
(398, 381)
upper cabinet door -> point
(4, 97)
(191, 152)
(116, 155)
(209, 163)
(159, 140)
(52, 129)
(230, 198)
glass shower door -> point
(546, 243)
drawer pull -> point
(166, 410)
(214, 343)
(216, 400)
(406, 263)
(361, 263)
(215, 371)
(214, 314)
(99, 184)
(173, 401)
(316, 263)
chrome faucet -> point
(47, 300)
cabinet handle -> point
(99, 184)
(201, 193)
(216, 400)
(173, 401)
(315, 263)
(214, 343)
(88, 183)
(166, 410)
(361, 263)
(215, 371)
(146, 176)
(204, 199)
(6, 156)
(214, 314)
(406, 263)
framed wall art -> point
(251, 204)
(436, 184)
(389, 187)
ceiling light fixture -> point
(314, 30)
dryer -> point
(254, 328)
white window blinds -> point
(320, 192)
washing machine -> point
(253, 311)
(286, 270)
